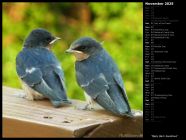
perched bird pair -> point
(96, 73)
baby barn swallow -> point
(39, 70)
(99, 76)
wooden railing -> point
(22, 118)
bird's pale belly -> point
(31, 94)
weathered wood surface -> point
(22, 118)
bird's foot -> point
(90, 103)
(88, 107)
(24, 95)
(20, 95)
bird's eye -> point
(48, 39)
(82, 47)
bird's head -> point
(84, 47)
(40, 38)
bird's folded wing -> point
(39, 81)
(32, 78)
(95, 86)
(30, 75)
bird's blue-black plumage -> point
(40, 69)
(100, 78)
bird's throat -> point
(80, 55)
(49, 47)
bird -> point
(98, 75)
(39, 71)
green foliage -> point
(119, 25)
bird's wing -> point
(40, 82)
(97, 88)
(33, 78)
(119, 81)
(30, 75)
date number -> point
(169, 3)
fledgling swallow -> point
(98, 75)
(39, 70)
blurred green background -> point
(119, 25)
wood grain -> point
(22, 118)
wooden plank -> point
(22, 118)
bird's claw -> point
(87, 107)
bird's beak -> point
(78, 54)
(73, 51)
(70, 50)
(54, 40)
